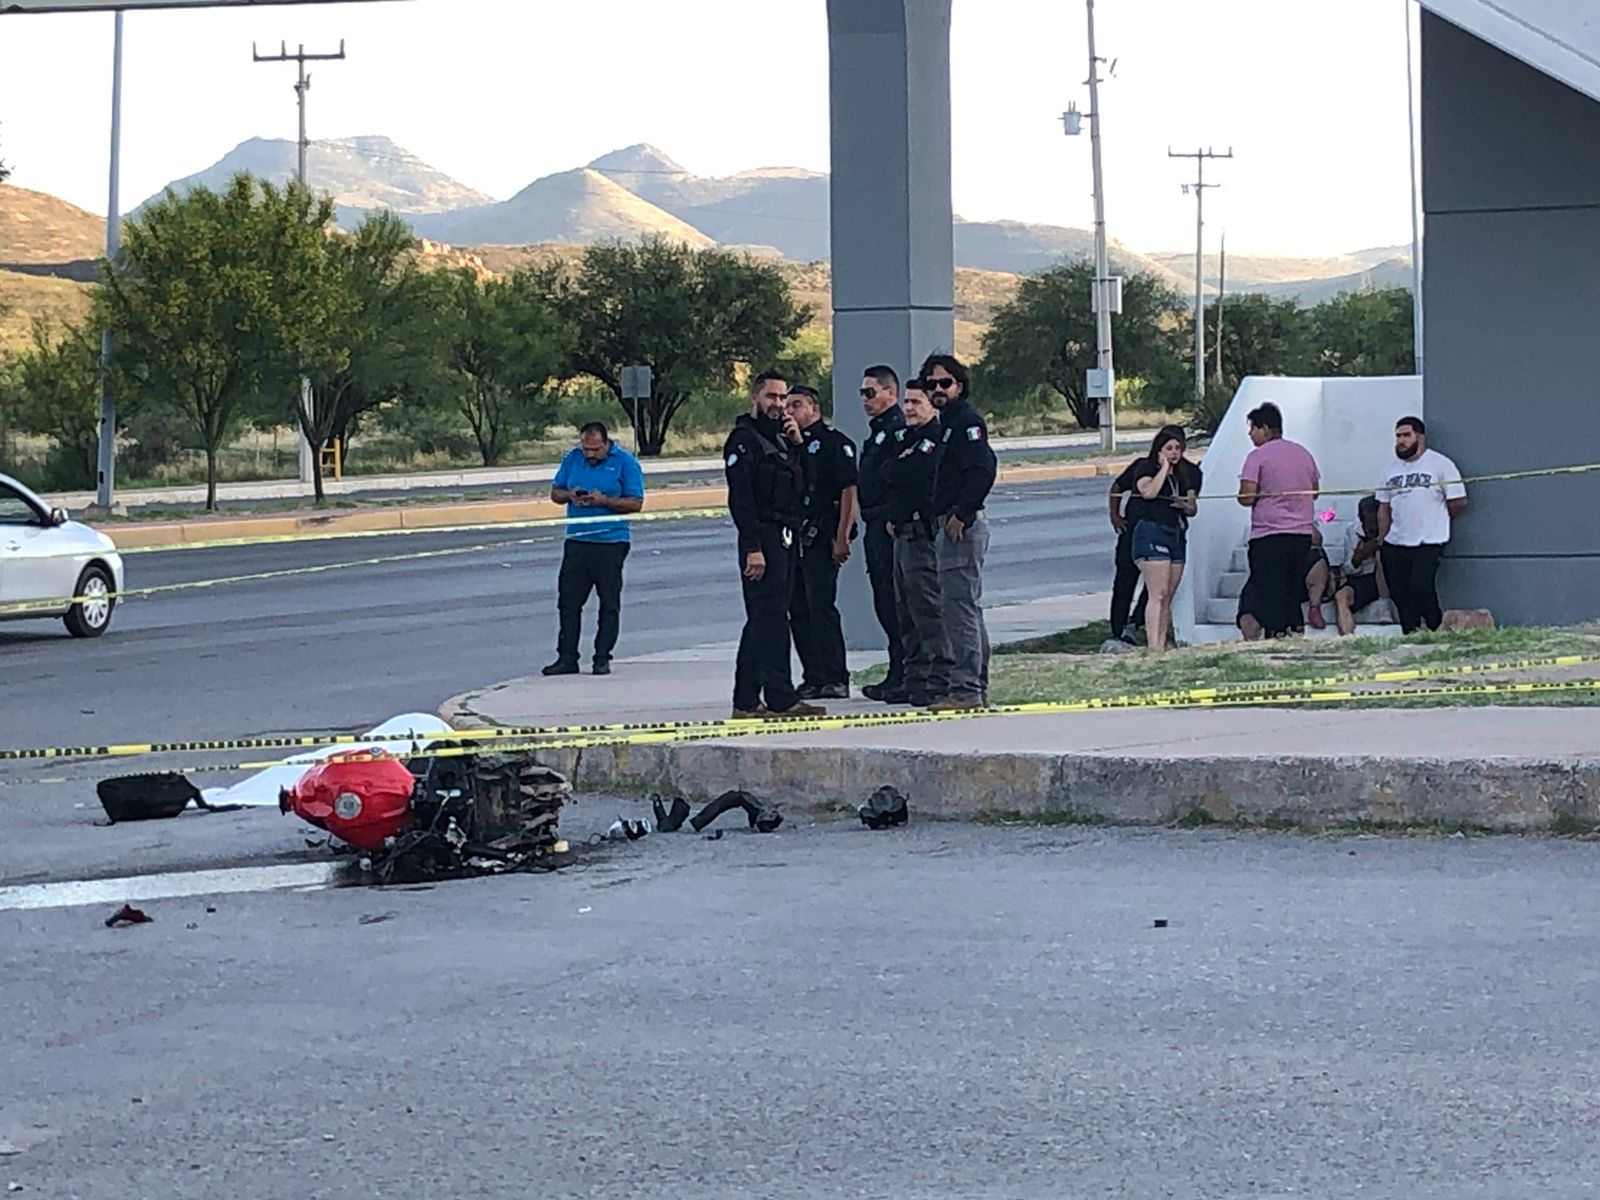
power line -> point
(1199, 185)
(308, 452)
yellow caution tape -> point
(800, 725)
(1217, 694)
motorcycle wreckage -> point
(428, 816)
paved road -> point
(345, 649)
(824, 1012)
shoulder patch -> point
(927, 446)
(879, 439)
(899, 434)
(733, 459)
(849, 450)
(948, 432)
(813, 447)
(974, 433)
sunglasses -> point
(942, 385)
(867, 393)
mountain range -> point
(776, 211)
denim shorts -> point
(1159, 543)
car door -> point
(31, 566)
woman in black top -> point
(1165, 486)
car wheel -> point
(91, 615)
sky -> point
(1309, 94)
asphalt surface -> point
(345, 649)
(935, 1011)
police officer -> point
(766, 492)
(910, 508)
(880, 396)
(965, 477)
(826, 531)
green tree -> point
(56, 386)
(505, 343)
(1363, 333)
(218, 296)
(378, 341)
(1260, 336)
(1046, 336)
(692, 316)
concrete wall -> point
(1511, 296)
(1347, 424)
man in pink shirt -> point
(1278, 484)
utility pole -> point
(1102, 296)
(1222, 293)
(301, 87)
(1200, 185)
(1105, 294)
(106, 460)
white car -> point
(51, 566)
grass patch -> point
(1568, 825)
(1066, 666)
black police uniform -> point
(910, 509)
(966, 474)
(829, 458)
(877, 452)
(766, 493)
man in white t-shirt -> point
(1420, 493)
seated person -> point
(1319, 588)
(1360, 579)
(1318, 577)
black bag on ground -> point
(146, 797)
(884, 809)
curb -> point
(159, 534)
(1313, 793)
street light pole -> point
(1102, 327)
(106, 462)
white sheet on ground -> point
(409, 733)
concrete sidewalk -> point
(1519, 768)
(498, 477)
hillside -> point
(579, 206)
(361, 173)
(1289, 276)
(24, 297)
(38, 228)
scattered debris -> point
(128, 915)
(376, 918)
(1161, 923)
(581, 911)
(884, 809)
(714, 836)
(670, 820)
(627, 831)
(763, 817)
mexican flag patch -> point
(974, 433)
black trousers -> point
(761, 672)
(1123, 586)
(586, 567)
(879, 548)
(1278, 570)
(1412, 572)
(814, 616)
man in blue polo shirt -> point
(595, 479)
